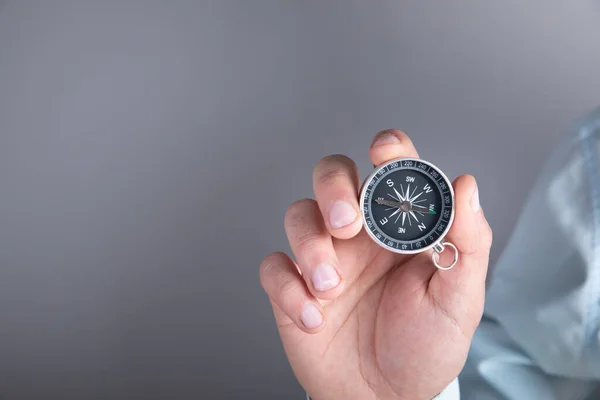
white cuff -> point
(450, 393)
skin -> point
(395, 327)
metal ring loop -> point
(436, 259)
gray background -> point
(131, 131)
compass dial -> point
(407, 205)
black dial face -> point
(407, 205)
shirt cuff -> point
(452, 392)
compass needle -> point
(392, 204)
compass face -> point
(407, 205)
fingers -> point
(472, 236)
(390, 144)
(287, 291)
(313, 247)
(336, 182)
(336, 185)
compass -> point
(408, 207)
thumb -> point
(461, 290)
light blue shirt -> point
(540, 336)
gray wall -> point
(130, 132)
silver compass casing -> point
(437, 245)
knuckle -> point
(487, 236)
(276, 280)
(479, 242)
(470, 247)
(298, 210)
(287, 288)
(331, 169)
(269, 266)
(330, 175)
(335, 159)
(307, 241)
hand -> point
(361, 322)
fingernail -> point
(386, 138)
(311, 316)
(475, 200)
(341, 214)
(325, 277)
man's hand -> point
(358, 321)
